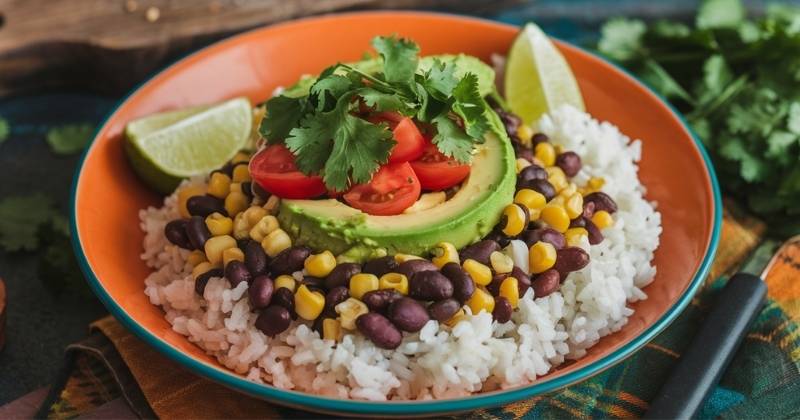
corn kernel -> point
(218, 224)
(394, 281)
(263, 227)
(481, 300)
(236, 187)
(522, 164)
(557, 178)
(569, 190)
(202, 268)
(308, 304)
(555, 217)
(185, 194)
(535, 214)
(525, 133)
(557, 201)
(254, 214)
(501, 263)
(241, 229)
(545, 153)
(596, 182)
(362, 283)
(559, 149)
(531, 199)
(574, 205)
(196, 257)
(272, 204)
(401, 258)
(456, 318)
(509, 289)
(320, 265)
(331, 329)
(232, 254)
(349, 311)
(480, 273)
(515, 219)
(241, 173)
(286, 281)
(216, 245)
(574, 236)
(602, 219)
(444, 253)
(275, 242)
(542, 257)
(219, 185)
(236, 202)
(240, 158)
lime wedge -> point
(167, 147)
(538, 78)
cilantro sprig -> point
(325, 133)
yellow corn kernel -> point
(362, 283)
(236, 187)
(241, 173)
(574, 236)
(394, 281)
(196, 257)
(559, 149)
(481, 300)
(444, 253)
(522, 164)
(272, 204)
(555, 217)
(219, 184)
(254, 214)
(263, 227)
(202, 268)
(241, 229)
(286, 281)
(232, 254)
(525, 132)
(216, 245)
(557, 178)
(535, 214)
(401, 258)
(602, 219)
(501, 263)
(545, 153)
(569, 190)
(320, 265)
(218, 224)
(480, 273)
(574, 205)
(275, 242)
(595, 183)
(235, 203)
(331, 329)
(558, 201)
(515, 219)
(183, 196)
(240, 158)
(456, 318)
(349, 311)
(509, 289)
(541, 257)
(308, 304)
(531, 199)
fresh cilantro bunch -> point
(738, 82)
(326, 135)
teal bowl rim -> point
(307, 401)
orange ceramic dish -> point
(107, 195)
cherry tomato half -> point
(392, 189)
(437, 171)
(410, 142)
(275, 171)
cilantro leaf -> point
(720, 14)
(360, 147)
(440, 79)
(621, 38)
(21, 217)
(399, 58)
(328, 89)
(5, 129)
(471, 107)
(70, 138)
(451, 140)
(716, 74)
(311, 144)
(283, 114)
(382, 101)
(794, 118)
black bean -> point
(284, 297)
(494, 286)
(379, 330)
(541, 186)
(411, 267)
(289, 260)
(255, 258)
(511, 122)
(502, 310)
(340, 276)
(569, 162)
(577, 222)
(379, 300)
(480, 251)
(539, 138)
(274, 320)
(498, 236)
(175, 231)
(259, 192)
(236, 272)
(202, 280)
(548, 235)
(227, 169)
(444, 309)
(197, 232)
(247, 189)
(261, 291)
(430, 285)
(334, 297)
(523, 152)
(315, 284)
(546, 283)
(531, 172)
(570, 259)
(242, 243)
(523, 280)
(204, 205)
(602, 201)
(463, 285)
(595, 236)
(380, 266)
(588, 209)
(408, 315)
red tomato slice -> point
(275, 171)
(437, 171)
(410, 142)
(392, 189)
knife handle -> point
(702, 364)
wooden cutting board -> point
(108, 46)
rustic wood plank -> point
(110, 45)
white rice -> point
(477, 354)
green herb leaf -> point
(283, 114)
(451, 140)
(311, 144)
(720, 14)
(794, 118)
(5, 129)
(21, 217)
(470, 106)
(69, 139)
(382, 101)
(440, 79)
(621, 38)
(399, 58)
(359, 149)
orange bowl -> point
(107, 195)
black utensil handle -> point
(709, 353)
